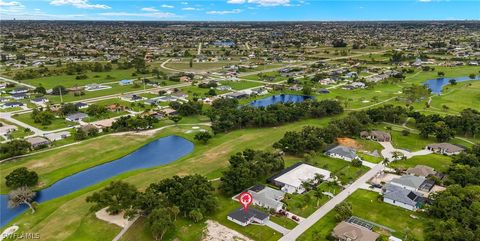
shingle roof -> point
(402, 195)
(409, 181)
(343, 151)
(242, 216)
(348, 231)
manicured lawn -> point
(57, 123)
(93, 77)
(283, 221)
(438, 162)
(116, 89)
(366, 205)
(240, 85)
(266, 75)
(305, 204)
(344, 170)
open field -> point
(366, 205)
(57, 123)
(438, 162)
(240, 85)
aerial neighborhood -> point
(211, 131)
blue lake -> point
(283, 98)
(162, 151)
(436, 85)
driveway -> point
(277, 227)
(388, 151)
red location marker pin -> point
(245, 199)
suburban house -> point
(237, 95)
(421, 171)
(342, 152)
(380, 136)
(245, 218)
(125, 82)
(19, 96)
(131, 97)
(266, 197)
(39, 101)
(57, 136)
(7, 129)
(81, 105)
(37, 142)
(76, 117)
(352, 232)
(409, 182)
(19, 90)
(402, 197)
(224, 88)
(445, 148)
(290, 179)
(11, 105)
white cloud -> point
(234, 11)
(184, 3)
(166, 6)
(148, 15)
(11, 7)
(264, 3)
(424, 1)
(270, 2)
(150, 9)
(191, 9)
(236, 1)
(10, 4)
(85, 4)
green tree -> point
(160, 221)
(203, 137)
(118, 196)
(195, 215)
(343, 211)
(175, 118)
(21, 177)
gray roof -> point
(267, 196)
(36, 140)
(409, 181)
(242, 216)
(343, 151)
(446, 146)
(421, 170)
(402, 195)
(77, 116)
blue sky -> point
(241, 10)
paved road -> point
(18, 83)
(330, 205)
(8, 116)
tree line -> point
(227, 115)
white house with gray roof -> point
(342, 152)
(267, 197)
(244, 218)
(445, 148)
(409, 182)
(402, 197)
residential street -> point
(330, 205)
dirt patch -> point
(218, 232)
(344, 141)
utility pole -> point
(61, 97)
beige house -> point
(351, 232)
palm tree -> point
(318, 194)
(385, 162)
